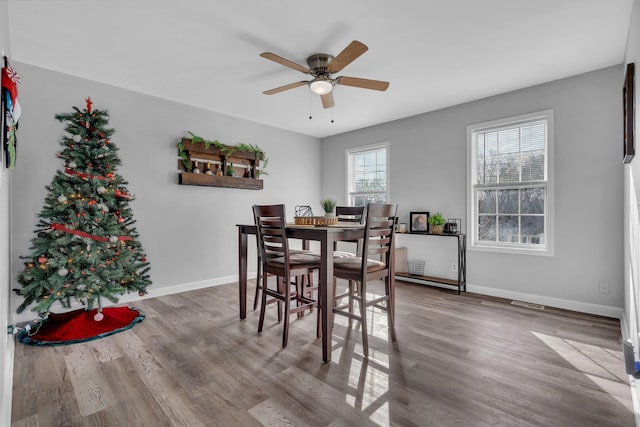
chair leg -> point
(258, 285)
(281, 284)
(300, 292)
(390, 310)
(287, 302)
(351, 286)
(363, 318)
(263, 304)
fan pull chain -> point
(310, 116)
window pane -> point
(532, 200)
(488, 160)
(487, 228)
(509, 229)
(508, 201)
(533, 229)
(533, 145)
(362, 200)
(486, 201)
(509, 159)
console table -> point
(461, 283)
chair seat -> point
(296, 260)
(273, 254)
(354, 263)
(342, 254)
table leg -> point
(242, 271)
(326, 294)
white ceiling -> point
(206, 52)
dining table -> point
(326, 235)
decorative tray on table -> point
(316, 220)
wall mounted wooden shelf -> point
(188, 178)
(220, 160)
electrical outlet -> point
(604, 288)
(454, 267)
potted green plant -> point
(437, 223)
(329, 206)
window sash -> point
(368, 164)
(530, 175)
(511, 153)
(530, 226)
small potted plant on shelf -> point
(437, 223)
(329, 206)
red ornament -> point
(143, 259)
(43, 259)
(118, 193)
(120, 220)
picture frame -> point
(419, 222)
(628, 103)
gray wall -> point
(188, 232)
(631, 319)
(6, 341)
(428, 172)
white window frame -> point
(349, 169)
(504, 247)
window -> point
(367, 175)
(510, 187)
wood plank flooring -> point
(459, 360)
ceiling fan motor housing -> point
(318, 64)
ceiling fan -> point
(321, 67)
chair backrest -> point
(350, 213)
(272, 236)
(379, 233)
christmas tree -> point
(86, 248)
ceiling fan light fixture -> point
(321, 86)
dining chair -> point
(375, 262)
(348, 214)
(259, 272)
(354, 215)
(279, 261)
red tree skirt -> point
(79, 326)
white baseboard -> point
(6, 384)
(583, 307)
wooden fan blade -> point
(327, 100)
(285, 87)
(347, 56)
(363, 83)
(280, 60)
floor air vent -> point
(528, 305)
